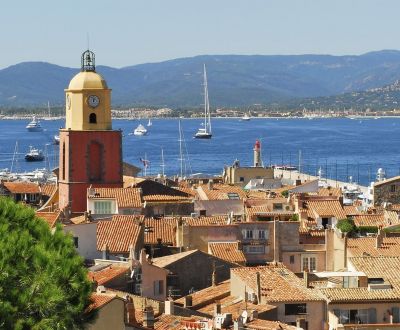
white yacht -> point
(205, 131)
(149, 123)
(34, 155)
(34, 125)
(246, 117)
(140, 130)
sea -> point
(342, 149)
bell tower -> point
(90, 150)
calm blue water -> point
(341, 147)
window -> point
(76, 242)
(248, 233)
(278, 206)
(203, 213)
(295, 309)
(261, 234)
(392, 188)
(158, 287)
(92, 118)
(233, 196)
(309, 263)
(103, 207)
(241, 179)
(256, 249)
(356, 316)
(291, 259)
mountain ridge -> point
(234, 80)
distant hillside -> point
(234, 80)
(382, 98)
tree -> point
(43, 282)
(346, 226)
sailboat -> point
(149, 123)
(205, 131)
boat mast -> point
(162, 162)
(48, 109)
(180, 147)
(15, 158)
(207, 119)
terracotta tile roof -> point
(259, 324)
(107, 274)
(234, 306)
(391, 180)
(99, 300)
(266, 210)
(351, 210)
(208, 295)
(206, 221)
(369, 220)
(168, 260)
(22, 187)
(358, 247)
(174, 322)
(221, 191)
(50, 217)
(187, 190)
(118, 234)
(386, 268)
(164, 228)
(395, 207)
(130, 181)
(166, 198)
(278, 284)
(330, 192)
(358, 294)
(326, 208)
(125, 197)
(228, 251)
(312, 232)
(48, 189)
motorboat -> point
(34, 125)
(246, 117)
(56, 139)
(140, 130)
(34, 155)
(205, 131)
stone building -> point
(387, 191)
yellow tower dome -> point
(87, 80)
(88, 98)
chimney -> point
(379, 238)
(85, 214)
(101, 289)
(238, 325)
(169, 307)
(210, 184)
(105, 252)
(306, 279)
(258, 281)
(228, 320)
(148, 317)
(301, 323)
(217, 308)
(130, 311)
(187, 301)
(214, 278)
(253, 315)
(257, 154)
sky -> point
(129, 32)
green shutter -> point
(372, 315)
(396, 314)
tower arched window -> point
(92, 118)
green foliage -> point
(285, 193)
(43, 283)
(367, 229)
(295, 217)
(346, 225)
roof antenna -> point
(87, 40)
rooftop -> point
(125, 197)
(366, 246)
(19, 187)
(119, 233)
(228, 251)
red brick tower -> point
(90, 151)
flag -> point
(145, 162)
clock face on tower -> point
(93, 101)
